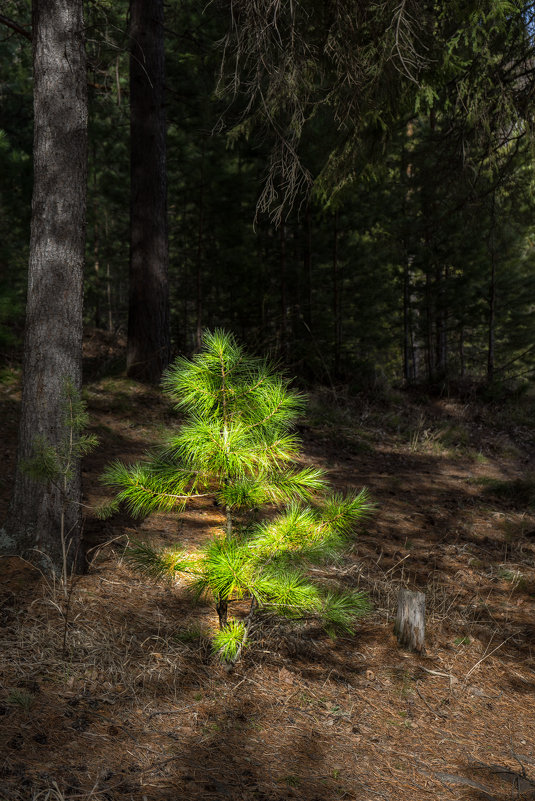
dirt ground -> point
(137, 709)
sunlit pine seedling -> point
(238, 445)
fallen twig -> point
(438, 714)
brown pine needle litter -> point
(137, 709)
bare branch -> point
(9, 23)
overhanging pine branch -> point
(15, 27)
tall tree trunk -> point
(96, 239)
(461, 350)
(409, 351)
(200, 234)
(492, 323)
(408, 355)
(108, 280)
(108, 298)
(148, 308)
(283, 291)
(441, 321)
(307, 265)
(429, 326)
(53, 335)
(337, 318)
(492, 295)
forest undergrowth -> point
(119, 697)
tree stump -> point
(410, 620)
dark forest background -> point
(409, 257)
(347, 188)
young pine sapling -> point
(237, 445)
(56, 465)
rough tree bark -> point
(410, 620)
(53, 334)
(148, 310)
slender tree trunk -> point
(337, 319)
(441, 323)
(53, 336)
(148, 309)
(200, 233)
(222, 612)
(492, 297)
(307, 264)
(492, 317)
(96, 240)
(108, 280)
(429, 326)
(108, 297)
(429, 201)
(284, 291)
(461, 351)
(409, 351)
(407, 335)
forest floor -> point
(137, 709)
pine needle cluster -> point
(56, 463)
(238, 444)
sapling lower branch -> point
(237, 443)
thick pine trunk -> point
(148, 309)
(53, 336)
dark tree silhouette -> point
(148, 311)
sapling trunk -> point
(248, 623)
(228, 514)
(222, 612)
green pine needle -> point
(340, 611)
(229, 641)
(289, 592)
(228, 569)
(159, 564)
(45, 462)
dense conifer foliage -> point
(408, 256)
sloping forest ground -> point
(137, 709)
